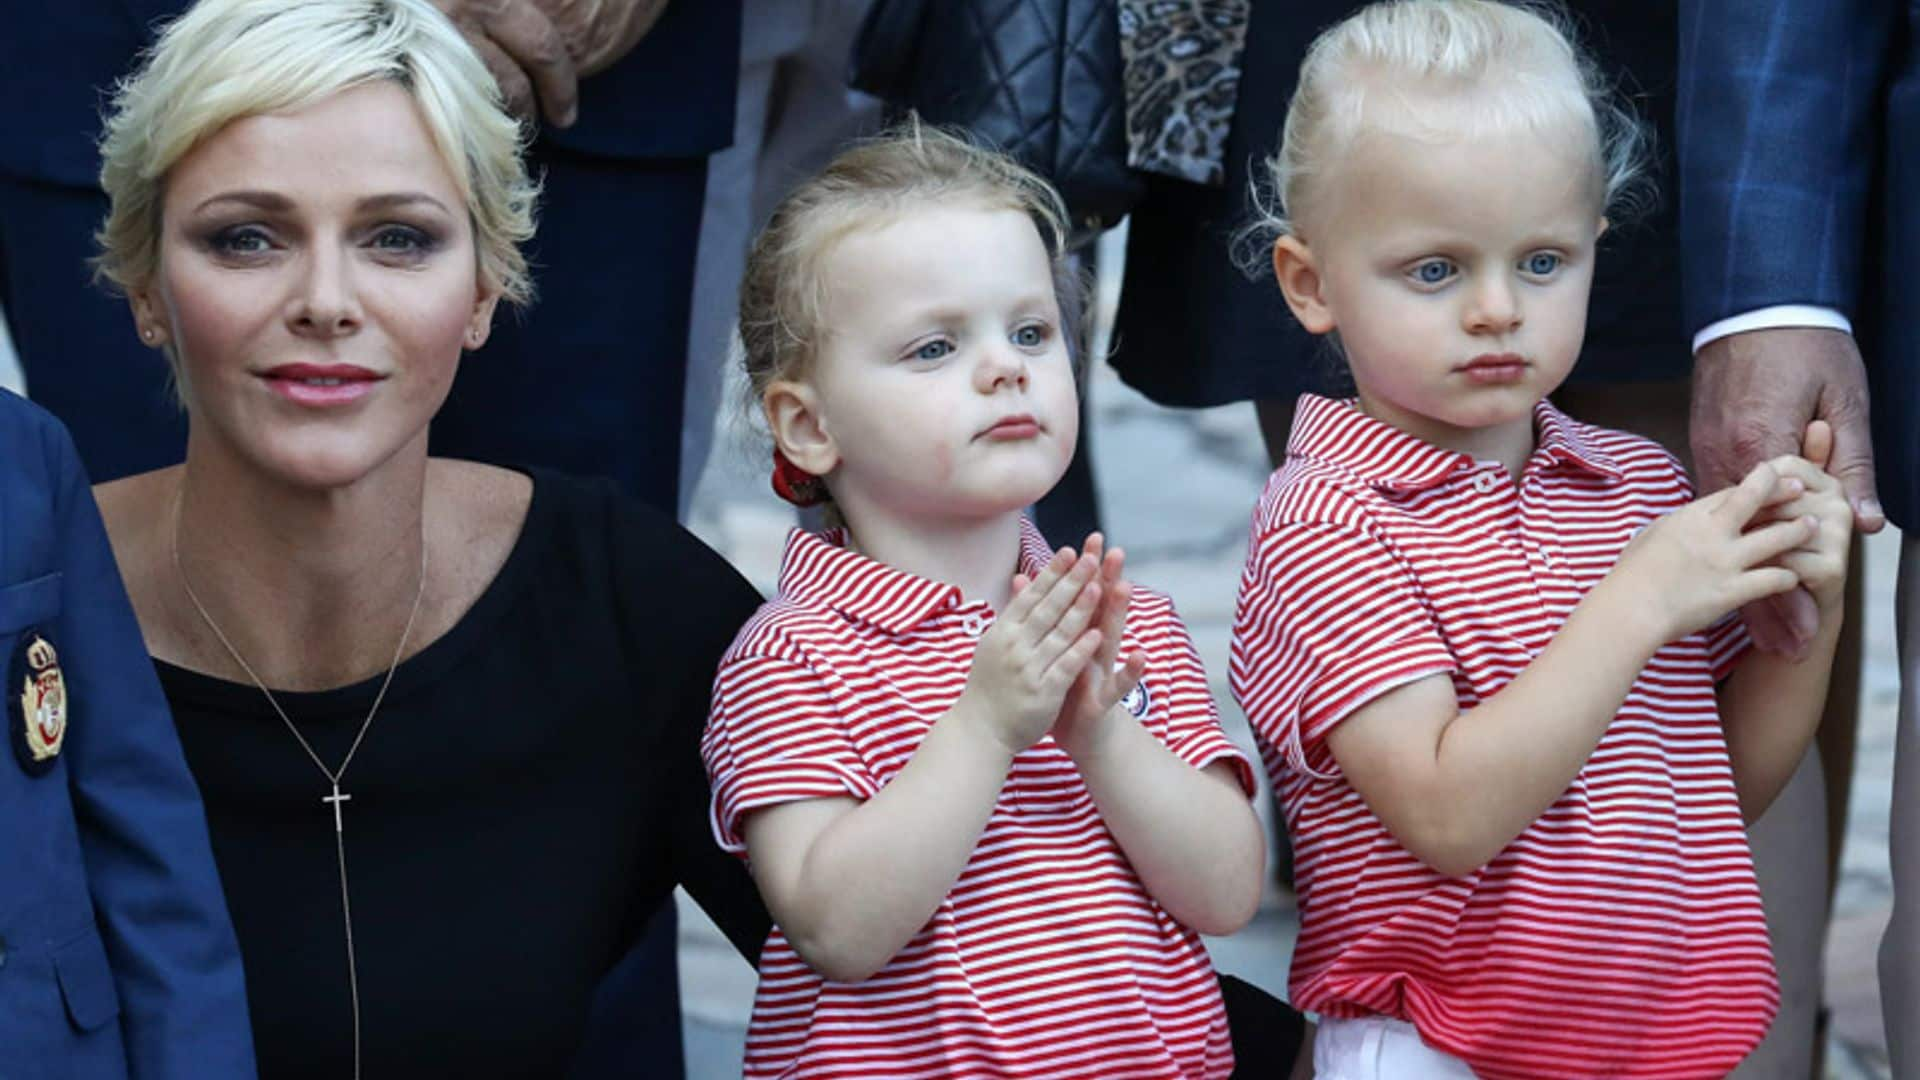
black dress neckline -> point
(349, 703)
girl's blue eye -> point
(1433, 271)
(933, 350)
(1542, 263)
(1030, 337)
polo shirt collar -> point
(1569, 442)
(1337, 432)
(819, 570)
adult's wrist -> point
(1772, 317)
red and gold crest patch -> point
(37, 698)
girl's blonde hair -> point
(224, 60)
(783, 293)
(1391, 61)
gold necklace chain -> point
(334, 776)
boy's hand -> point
(1701, 561)
(1027, 661)
(1821, 561)
(1093, 702)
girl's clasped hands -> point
(1051, 662)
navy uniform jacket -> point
(1800, 184)
(116, 954)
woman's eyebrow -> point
(276, 202)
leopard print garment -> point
(1182, 61)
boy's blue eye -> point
(933, 350)
(1542, 263)
(1432, 272)
(1030, 337)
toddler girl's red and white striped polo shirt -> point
(1621, 934)
(1048, 958)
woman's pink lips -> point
(1011, 428)
(1494, 370)
(321, 384)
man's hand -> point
(599, 32)
(1753, 396)
(526, 52)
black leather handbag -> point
(1039, 79)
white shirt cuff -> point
(1772, 318)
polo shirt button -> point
(1483, 483)
(974, 625)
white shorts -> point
(1378, 1048)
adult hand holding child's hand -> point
(1752, 394)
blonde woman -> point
(444, 716)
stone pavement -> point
(1177, 488)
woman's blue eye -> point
(1030, 337)
(241, 240)
(933, 350)
(402, 238)
(1542, 263)
(1433, 271)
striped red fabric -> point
(1620, 935)
(1048, 958)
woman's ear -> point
(798, 427)
(480, 324)
(147, 320)
(1298, 272)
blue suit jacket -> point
(1799, 129)
(116, 954)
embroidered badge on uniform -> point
(1137, 700)
(37, 703)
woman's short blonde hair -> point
(1430, 67)
(224, 60)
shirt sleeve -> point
(1328, 619)
(775, 735)
(1192, 718)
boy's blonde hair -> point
(224, 60)
(783, 294)
(1516, 63)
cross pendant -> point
(336, 799)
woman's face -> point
(317, 281)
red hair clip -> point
(795, 484)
